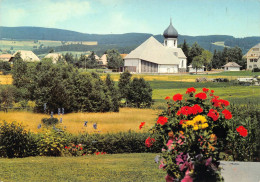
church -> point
(154, 57)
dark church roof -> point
(170, 32)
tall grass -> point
(126, 119)
(6, 79)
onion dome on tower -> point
(170, 32)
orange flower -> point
(170, 134)
(166, 98)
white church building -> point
(154, 57)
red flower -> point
(205, 90)
(162, 120)
(97, 153)
(213, 114)
(149, 142)
(224, 102)
(177, 97)
(212, 91)
(242, 131)
(190, 90)
(81, 148)
(186, 110)
(182, 121)
(219, 103)
(141, 125)
(210, 95)
(201, 96)
(77, 146)
(166, 98)
(66, 147)
(196, 109)
(227, 114)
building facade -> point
(154, 57)
(253, 57)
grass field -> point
(116, 167)
(126, 119)
(29, 44)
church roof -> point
(170, 32)
(153, 51)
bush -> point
(256, 70)
(16, 142)
(50, 121)
(52, 143)
(123, 142)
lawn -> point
(116, 167)
(111, 122)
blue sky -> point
(239, 18)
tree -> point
(113, 93)
(140, 93)
(124, 84)
(217, 59)
(91, 61)
(197, 62)
(114, 59)
(185, 48)
(207, 58)
(195, 50)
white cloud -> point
(43, 13)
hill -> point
(121, 40)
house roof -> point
(5, 56)
(153, 51)
(231, 64)
(103, 59)
(54, 56)
(123, 55)
(27, 56)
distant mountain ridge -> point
(127, 39)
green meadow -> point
(116, 167)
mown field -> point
(116, 167)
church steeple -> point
(170, 36)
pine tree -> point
(185, 48)
(124, 84)
(113, 93)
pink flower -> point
(169, 144)
(169, 178)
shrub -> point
(52, 143)
(16, 142)
(256, 70)
(50, 121)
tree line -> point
(199, 57)
(63, 86)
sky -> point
(239, 18)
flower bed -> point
(194, 131)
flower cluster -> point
(198, 122)
(187, 110)
(162, 120)
(193, 130)
(74, 150)
(242, 131)
(141, 125)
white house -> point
(193, 70)
(231, 66)
(153, 57)
(54, 56)
(253, 57)
(27, 56)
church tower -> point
(170, 36)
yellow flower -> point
(205, 125)
(200, 119)
(195, 127)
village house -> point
(5, 57)
(253, 57)
(154, 57)
(193, 70)
(27, 56)
(54, 56)
(231, 66)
